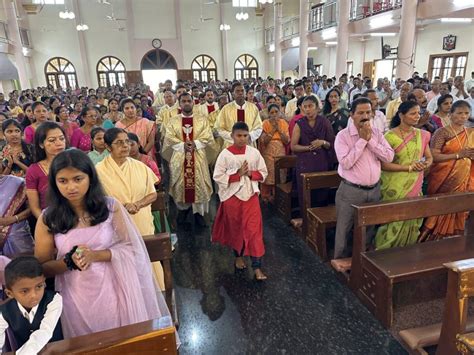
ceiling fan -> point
(105, 2)
(202, 18)
(215, 2)
(112, 17)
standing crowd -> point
(82, 212)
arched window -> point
(204, 68)
(110, 71)
(158, 59)
(60, 72)
(245, 67)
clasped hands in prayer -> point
(132, 208)
(83, 257)
(189, 146)
(244, 169)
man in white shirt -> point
(291, 105)
(435, 87)
(458, 90)
(379, 120)
(469, 84)
(356, 89)
(323, 90)
(444, 89)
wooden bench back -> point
(160, 205)
(283, 162)
(460, 289)
(401, 210)
(313, 181)
(159, 249)
(411, 208)
(143, 338)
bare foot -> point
(259, 275)
(240, 263)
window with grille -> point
(447, 65)
(110, 71)
(204, 68)
(60, 72)
(246, 66)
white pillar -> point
(277, 24)
(304, 24)
(225, 59)
(82, 45)
(342, 37)
(406, 40)
(134, 62)
(14, 32)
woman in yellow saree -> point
(404, 176)
(132, 183)
(453, 171)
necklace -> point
(457, 137)
(414, 153)
(85, 219)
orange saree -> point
(446, 177)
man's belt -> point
(362, 187)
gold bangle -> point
(457, 156)
(410, 168)
(17, 220)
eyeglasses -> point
(122, 143)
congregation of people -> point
(80, 169)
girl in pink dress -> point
(102, 267)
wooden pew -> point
(373, 274)
(317, 219)
(159, 249)
(140, 338)
(283, 191)
(160, 205)
(460, 287)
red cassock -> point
(238, 223)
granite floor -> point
(301, 309)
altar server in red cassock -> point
(238, 224)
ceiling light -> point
(82, 27)
(459, 20)
(242, 16)
(263, 2)
(329, 33)
(381, 21)
(66, 15)
(331, 43)
(463, 2)
(224, 27)
(271, 48)
(295, 42)
(381, 34)
(312, 48)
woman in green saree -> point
(404, 176)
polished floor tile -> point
(301, 309)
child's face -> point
(240, 137)
(27, 291)
(98, 141)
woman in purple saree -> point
(102, 267)
(15, 235)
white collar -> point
(241, 107)
(28, 315)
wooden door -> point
(368, 70)
(185, 74)
(133, 77)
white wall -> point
(53, 37)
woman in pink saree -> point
(102, 267)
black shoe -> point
(199, 220)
